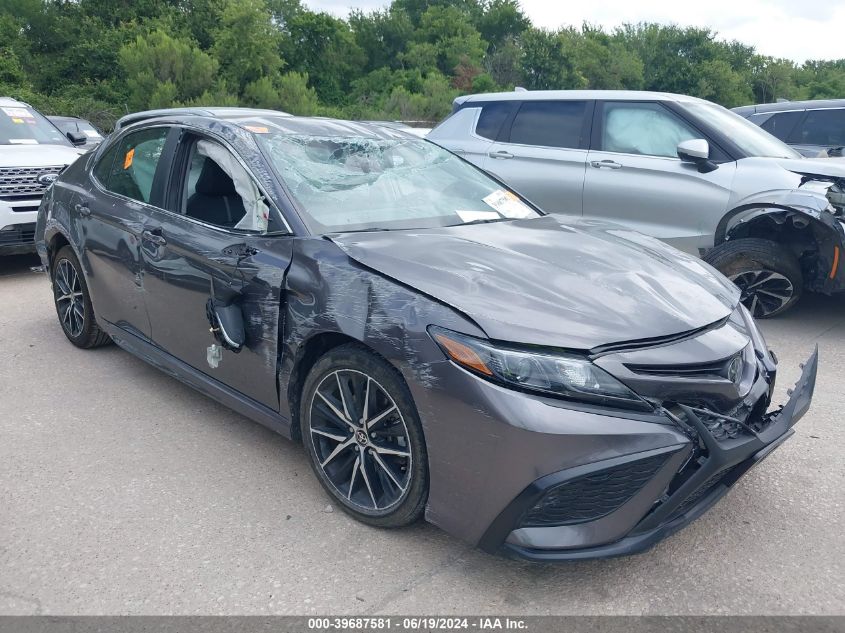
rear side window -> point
(103, 167)
(643, 128)
(493, 115)
(821, 127)
(782, 123)
(134, 163)
(549, 123)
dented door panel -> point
(191, 263)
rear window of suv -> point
(549, 123)
(492, 116)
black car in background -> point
(80, 128)
(814, 128)
(439, 345)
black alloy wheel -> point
(73, 302)
(767, 274)
(363, 437)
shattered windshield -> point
(363, 184)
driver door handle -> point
(609, 164)
(154, 237)
(500, 155)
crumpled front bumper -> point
(725, 463)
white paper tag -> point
(475, 216)
(92, 134)
(21, 113)
(508, 204)
(22, 141)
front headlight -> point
(559, 375)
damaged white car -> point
(682, 169)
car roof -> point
(563, 95)
(8, 101)
(786, 106)
(65, 119)
(209, 112)
(251, 120)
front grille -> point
(592, 496)
(18, 183)
(18, 234)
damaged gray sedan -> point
(439, 346)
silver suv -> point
(681, 169)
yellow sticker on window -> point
(258, 129)
(127, 160)
(17, 120)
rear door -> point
(542, 151)
(635, 178)
(205, 247)
(111, 215)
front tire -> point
(364, 438)
(73, 302)
(768, 275)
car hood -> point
(37, 155)
(575, 286)
(814, 166)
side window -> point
(821, 127)
(103, 167)
(493, 115)
(781, 124)
(549, 123)
(643, 128)
(219, 191)
(134, 166)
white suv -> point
(681, 169)
(32, 153)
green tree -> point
(383, 36)
(548, 61)
(161, 70)
(453, 36)
(246, 44)
(602, 63)
(501, 22)
(324, 48)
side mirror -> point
(77, 138)
(227, 324)
(697, 151)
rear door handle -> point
(154, 237)
(609, 164)
(82, 209)
(500, 155)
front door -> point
(199, 250)
(635, 178)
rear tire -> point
(768, 275)
(73, 302)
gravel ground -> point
(124, 492)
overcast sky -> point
(795, 29)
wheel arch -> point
(814, 238)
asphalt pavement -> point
(124, 492)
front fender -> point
(802, 223)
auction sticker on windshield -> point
(508, 204)
(18, 113)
